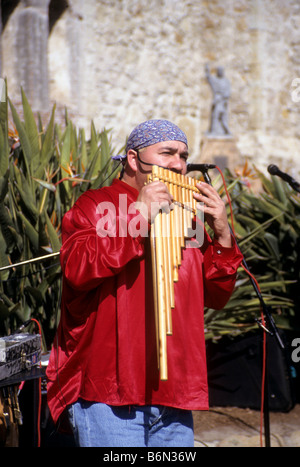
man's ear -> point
(132, 160)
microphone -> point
(274, 170)
(23, 326)
(201, 167)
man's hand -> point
(154, 196)
(214, 211)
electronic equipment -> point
(19, 352)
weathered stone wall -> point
(120, 62)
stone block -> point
(221, 151)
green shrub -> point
(267, 227)
(42, 172)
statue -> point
(219, 112)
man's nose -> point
(177, 164)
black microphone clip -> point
(204, 168)
(199, 167)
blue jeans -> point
(101, 425)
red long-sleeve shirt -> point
(105, 348)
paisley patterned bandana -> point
(152, 132)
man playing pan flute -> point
(103, 367)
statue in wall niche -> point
(220, 86)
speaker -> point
(235, 372)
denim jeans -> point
(100, 425)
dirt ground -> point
(236, 427)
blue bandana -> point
(152, 132)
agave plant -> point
(42, 173)
(267, 228)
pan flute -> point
(169, 233)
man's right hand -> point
(154, 196)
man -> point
(103, 366)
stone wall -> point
(120, 62)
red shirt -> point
(105, 348)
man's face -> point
(171, 155)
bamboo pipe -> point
(160, 286)
(168, 236)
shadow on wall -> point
(56, 9)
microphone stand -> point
(270, 329)
(28, 261)
(274, 170)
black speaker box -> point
(235, 372)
